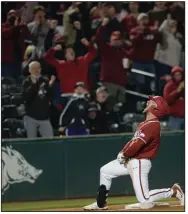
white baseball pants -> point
(138, 170)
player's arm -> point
(133, 148)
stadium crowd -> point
(84, 68)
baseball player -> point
(135, 160)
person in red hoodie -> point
(71, 70)
(114, 63)
(174, 95)
(14, 32)
(144, 39)
(130, 21)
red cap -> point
(162, 108)
(176, 69)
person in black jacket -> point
(37, 92)
(98, 112)
(73, 119)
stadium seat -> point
(6, 133)
(5, 100)
(16, 99)
(10, 111)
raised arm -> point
(92, 51)
(100, 33)
(172, 95)
(49, 56)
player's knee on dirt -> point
(102, 196)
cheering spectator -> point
(159, 12)
(113, 73)
(70, 16)
(27, 10)
(174, 95)
(37, 92)
(165, 55)
(95, 14)
(39, 29)
(110, 11)
(73, 69)
(130, 21)
(73, 119)
(144, 40)
(14, 32)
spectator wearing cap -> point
(72, 69)
(73, 119)
(39, 29)
(174, 93)
(37, 94)
(130, 21)
(14, 32)
(165, 56)
(114, 70)
(144, 40)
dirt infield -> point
(173, 206)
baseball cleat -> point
(178, 193)
(94, 206)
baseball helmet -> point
(162, 108)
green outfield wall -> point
(62, 168)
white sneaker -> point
(94, 206)
(179, 194)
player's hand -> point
(58, 47)
(105, 21)
(121, 158)
(77, 25)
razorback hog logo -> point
(15, 169)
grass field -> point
(115, 204)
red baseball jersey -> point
(146, 140)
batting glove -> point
(121, 158)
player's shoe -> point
(178, 193)
(94, 206)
